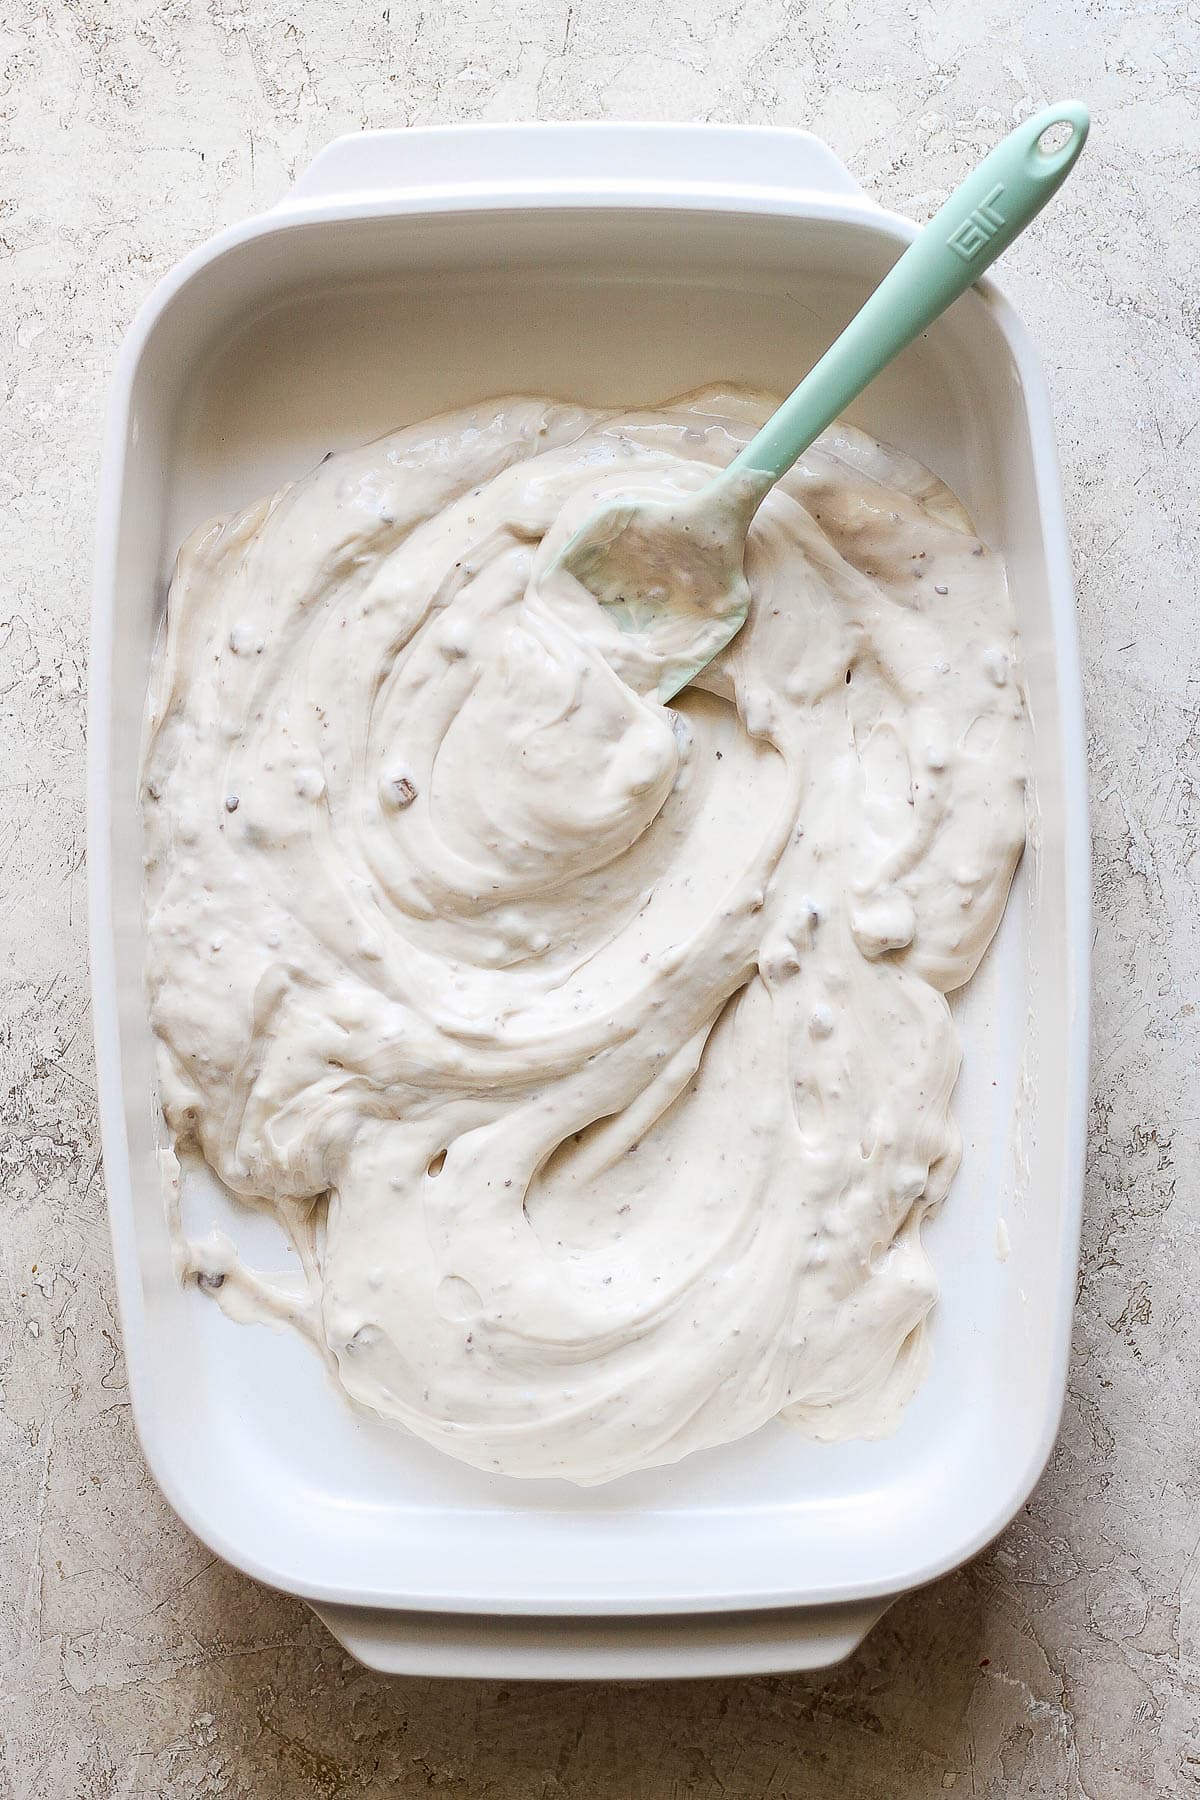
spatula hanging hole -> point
(1056, 137)
(436, 1163)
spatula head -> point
(671, 572)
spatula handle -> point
(977, 223)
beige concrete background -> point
(1066, 1662)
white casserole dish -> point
(404, 273)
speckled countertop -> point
(1066, 1661)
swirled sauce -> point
(594, 1051)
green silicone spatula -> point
(671, 571)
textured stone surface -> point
(1067, 1661)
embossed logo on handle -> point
(979, 227)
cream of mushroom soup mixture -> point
(594, 1052)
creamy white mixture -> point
(594, 1052)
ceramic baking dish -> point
(406, 272)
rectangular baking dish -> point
(404, 273)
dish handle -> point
(518, 1647)
(576, 161)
